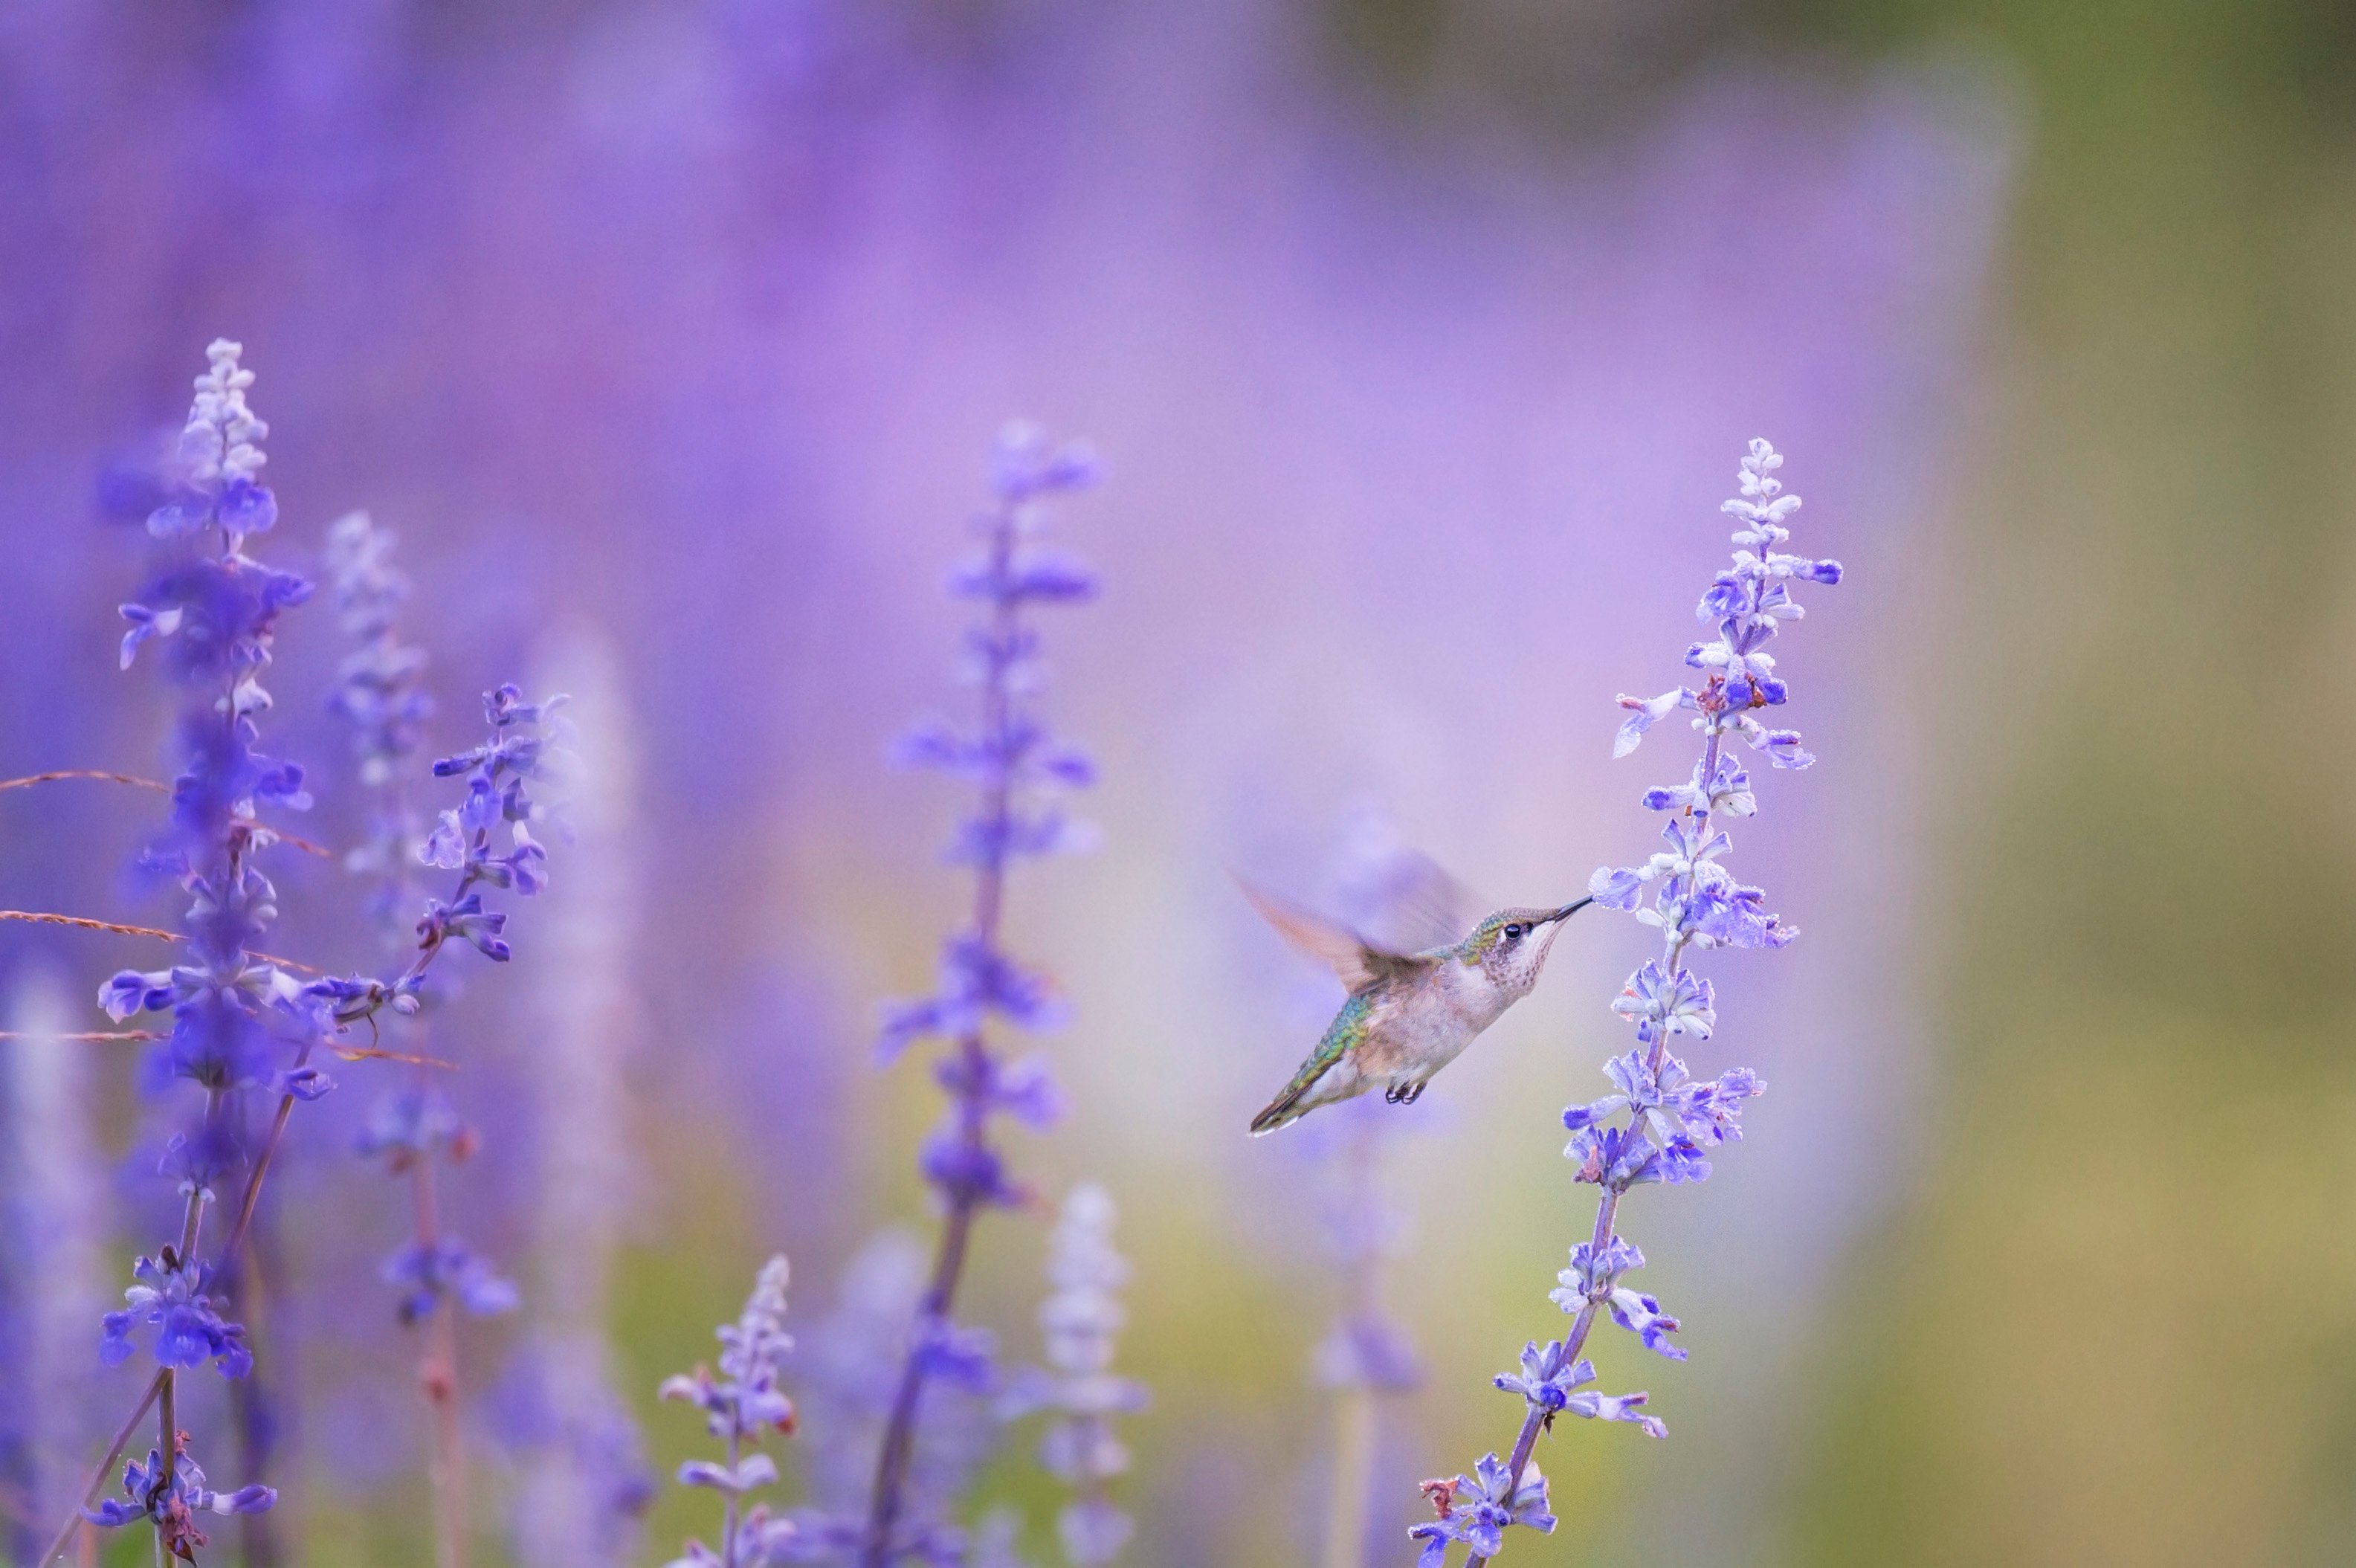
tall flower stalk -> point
(1080, 1322)
(1661, 1122)
(234, 1014)
(585, 1483)
(741, 1406)
(1013, 761)
(380, 695)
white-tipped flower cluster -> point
(221, 442)
(739, 1407)
(1080, 1322)
(217, 480)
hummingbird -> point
(1409, 1014)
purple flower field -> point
(616, 770)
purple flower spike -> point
(741, 1406)
(1661, 1124)
(1018, 769)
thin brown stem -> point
(900, 1431)
(77, 1524)
(55, 774)
(933, 1309)
(1534, 1420)
(437, 1379)
(167, 1434)
(157, 785)
(84, 923)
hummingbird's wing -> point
(1416, 903)
(1359, 962)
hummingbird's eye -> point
(1513, 933)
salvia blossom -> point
(1672, 1118)
(171, 1298)
(1018, 767)
(236, 1017)
(170, 1496)
(379, 693)
(1476, 1508)
(740, 1405)
(1080, 1322)
(468, 840)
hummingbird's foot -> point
(1414, 1092)
(1393, 1095)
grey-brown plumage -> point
(1409, 1014)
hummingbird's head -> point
(1510, 946)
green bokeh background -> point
(2110, 1318)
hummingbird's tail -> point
(1284, 1108)
(1294, 1101)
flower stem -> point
(105, 1467)
(898, 1447)
(728, 1504)
(437, 1379)
(899, 1433)
(1353, 1459)
(168, 1434)
(1534, 1420)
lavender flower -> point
(1018, 767)
(1080, 1322)
(499, 775)
(740, 1406)
(379, 693)
(1672, 1118)
(171, 1297)
(235, 1016)
(170, 1495)
(1476, 1508)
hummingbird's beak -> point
(1568, 910)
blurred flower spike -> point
(1018, 768)
(1080, 1322)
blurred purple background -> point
(670, 337)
